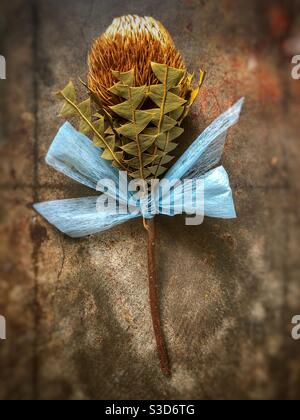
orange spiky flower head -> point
(130, 42)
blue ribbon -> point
(74, 155)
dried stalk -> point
(153, 297)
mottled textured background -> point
(77, 313)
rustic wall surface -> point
(77, 312)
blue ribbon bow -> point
(74, 155)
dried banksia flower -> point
(138, 83)
(139, 93)
(131, 42)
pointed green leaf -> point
(115, 164)
(135, 162)
(124, 110)
(127, 130)
(126, 77)
(143, 118)
(98, 142)
(109, 130)
(84, 127)
(193, 95)
(137, 174)
(170, 103)
(119, 156)
(130, 149)
(136, 95)
(156, 114)
(69, 92)
(177, 113)
(67, 111)
(170, 147)
(111, 141)
(107, 155)
(150, 131)
(148, 159)
(99, 125)
(119, 89)
(158, 171)
(167, 124)
(146, 141)
(161, 141)
(85, 108)
(174, 133)
(131, 130)
(166, 159)
(167, 74)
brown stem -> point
(153, 296)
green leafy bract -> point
(138, 133)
